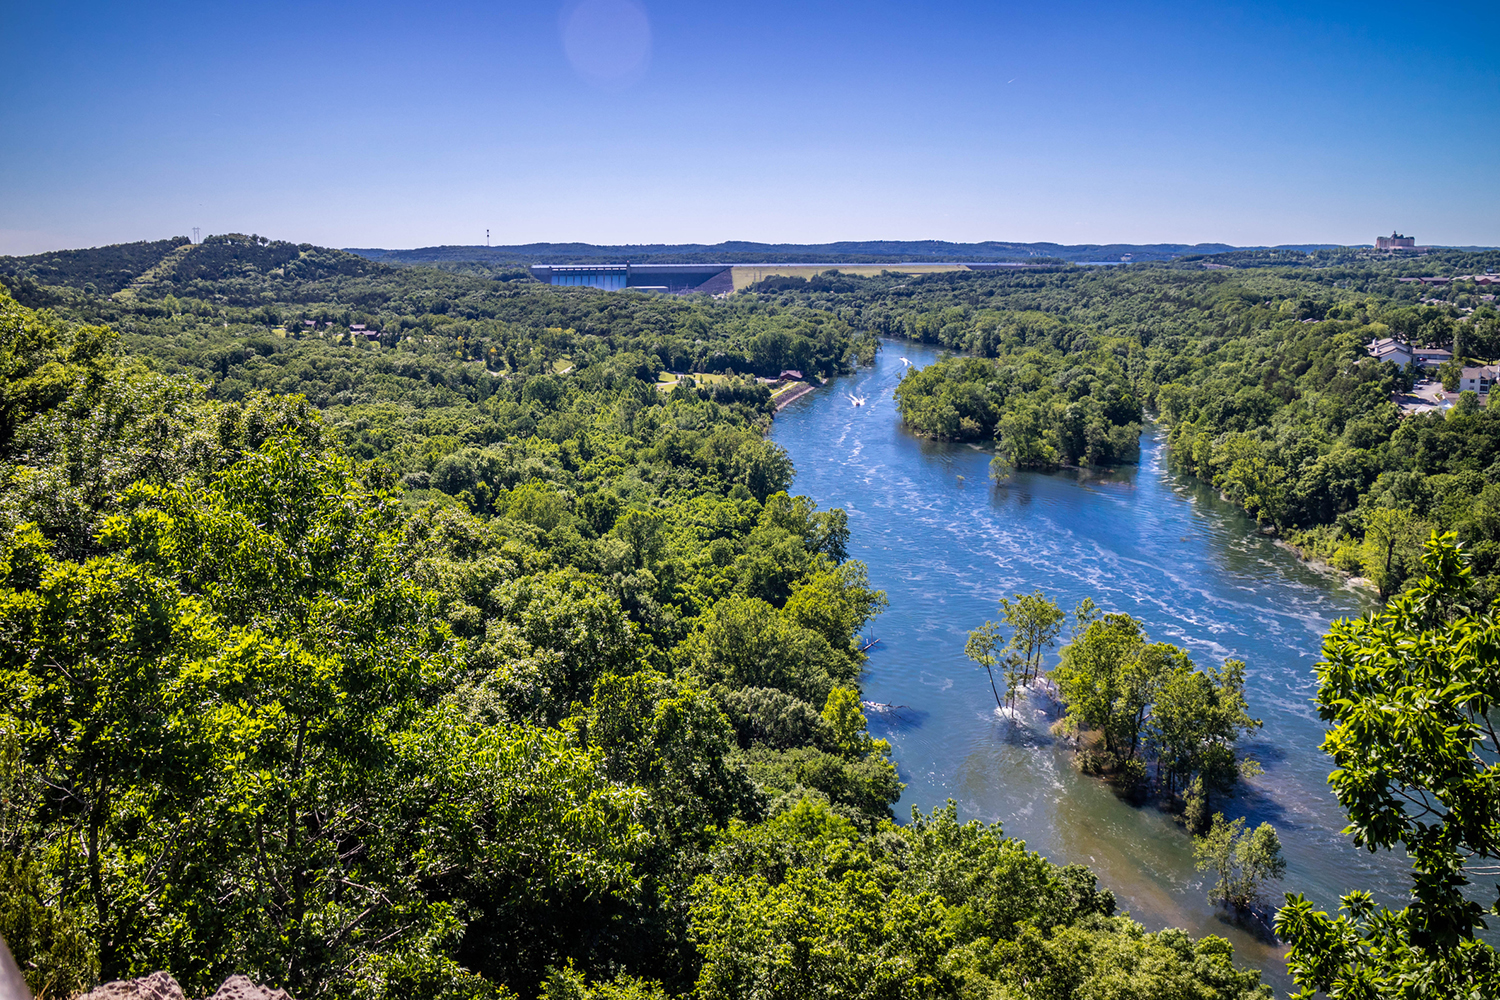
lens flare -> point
(608, 41)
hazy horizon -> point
(625, 121)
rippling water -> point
(945, 541)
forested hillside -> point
(739, 251)
(461, 660)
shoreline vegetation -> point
(380, 632)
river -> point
(945, 541)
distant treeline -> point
(733, 252)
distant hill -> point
(108, 269)
(848, 252)
(236, 265)
(176, 265)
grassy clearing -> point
(669, 380)
(744, 277)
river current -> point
(945, 541)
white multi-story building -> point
(1479, 379)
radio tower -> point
(486, 237)
(196, 238)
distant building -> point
(790, 375)
(1479, 379)
(1395, 241)
(1432, 357)
(725, 278)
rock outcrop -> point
(157, 986)
(241, 988)
(161, 986)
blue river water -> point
(945, 541)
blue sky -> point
(629, 121)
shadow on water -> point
(945, 541)
(886, 718)
(1258, 925)
(1258, 807)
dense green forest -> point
(461, 660)
(382, 631)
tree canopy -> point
(434, 682)
(1409, 694)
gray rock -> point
(161, 986)
(241, 988)
(157, 986)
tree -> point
(1214, 852)
(1195, 721)
(673, 741)
(1242, 861)
(1409, 694)
(847, 727)
(1106, 683)
(985, 648)
(745, 642)
(1392, 549)
(1449, 373)
(1034, 621)
(1259, 856)
(835, 603)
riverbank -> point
(1320, 565)
(791, 395)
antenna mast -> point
(196, 237)
(486, 237)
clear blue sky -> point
(617, 121)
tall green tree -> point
(984, 647)
(1035, 621)
(1242, 861)
(1108, 681)
(1195, 720)
(1410, 695)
